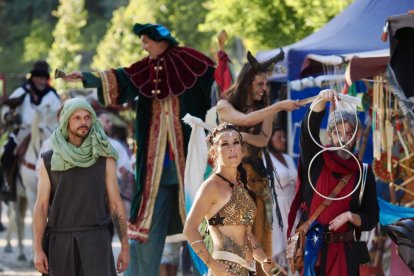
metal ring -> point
(332, 148)
(336, 198)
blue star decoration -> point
(313, 244)
(316, 236)
(315, 239)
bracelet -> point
(201, 251)
(266, 260)
(194, 242)
(207, 261)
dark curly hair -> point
(239, 91)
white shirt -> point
(287, 175)
(49, 106)
(123, 161)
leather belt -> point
(29, 165)
(339, 237)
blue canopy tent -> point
(357, 29)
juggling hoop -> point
(336, 198)
(342, 147)
(333, 148)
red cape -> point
(176, 70)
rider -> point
(19, 110)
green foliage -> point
(26, 33)
(99, 15)
(183, 17)
(92, 34)
(36, 45)
(317, 12)
(120, 46)
(262, 24)
(265, 24)
(16, 19)
(26, 28)
(66, 48)
(11, 52)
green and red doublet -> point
(176, 83)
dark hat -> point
(265, 66)
(40, 69)
(155, 32)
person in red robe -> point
(339, 253)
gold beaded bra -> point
(239, 210)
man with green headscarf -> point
(77, 195)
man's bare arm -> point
(117, 210)
(39, 219)
(116, 206)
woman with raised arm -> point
(247, 107)
(225, 201)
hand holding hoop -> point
(332, 148)
(341, 147)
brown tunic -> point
(79, 242)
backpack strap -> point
(341, 184)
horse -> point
(43, 124)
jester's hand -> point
(74, 76)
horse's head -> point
(49, 122)
(44, 123)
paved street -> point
(9, 265)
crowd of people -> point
(254, 199)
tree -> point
(183, 17)
(66, 48)
(36, 45)
(317, 13)
(26, 33)
(264, 24)
(17, 19)
(120, 46)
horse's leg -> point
(11, 213)
(21, 227)
(31, 192)
(2, 228)
(29, 181)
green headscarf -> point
(65, 155)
